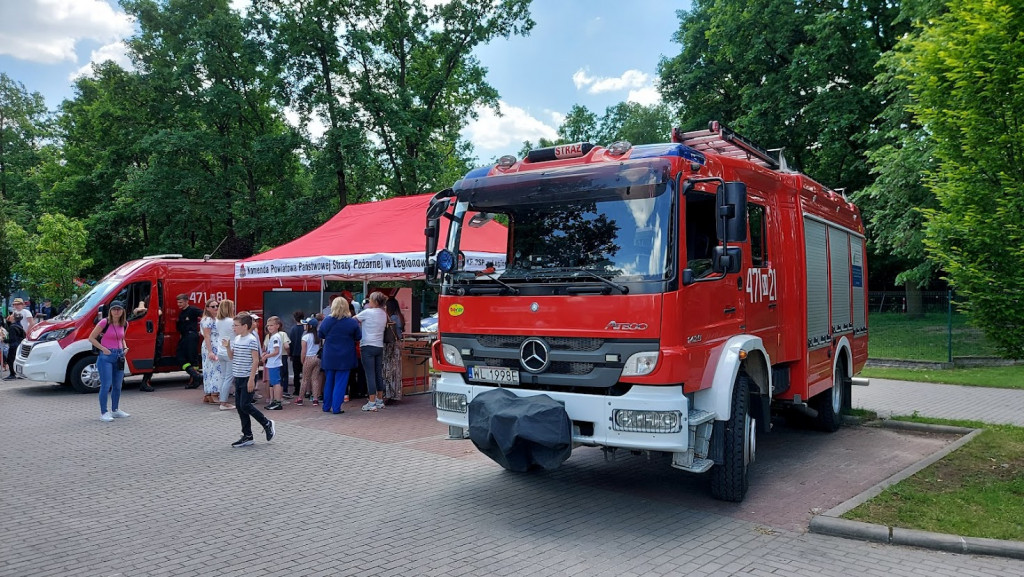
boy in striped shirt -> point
(244, 352)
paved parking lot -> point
(163, 493)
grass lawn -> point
(975, 491)
(895, 336)
(1011, 377)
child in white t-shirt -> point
(273, 358)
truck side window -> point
(758, 242)
(701, 232)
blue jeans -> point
(335, 386)
(373, 366)
(111, 378)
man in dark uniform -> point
(188, 345)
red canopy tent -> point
(380, 240)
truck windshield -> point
(89, 301)
(621, 234)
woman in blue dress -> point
(339, 333)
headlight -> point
(54, 335)
(646, 421)
(639, 364)
(454, 402)
(452, 356)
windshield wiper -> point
(619, 287)
(511, 289)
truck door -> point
(712, 308)
(761, 278)
(141, 334)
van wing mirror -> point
(731, 205)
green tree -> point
(964, 72)
(636, 123)
(52, 258)
(787, 73)
(24, 124)
(415, 81)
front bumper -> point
(45, 362)
(594, 409)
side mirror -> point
(723, 262)
(731, 205)
(479, 219)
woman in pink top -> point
(108, 337)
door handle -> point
(149, 326)
(729, 310)
(773, 305)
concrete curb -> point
(830, 522)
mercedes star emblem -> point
(533, 355)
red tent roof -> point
(374, 240)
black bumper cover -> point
(520, 433)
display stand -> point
(416, 363)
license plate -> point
(496, 375)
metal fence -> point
(931, 330)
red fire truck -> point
(663, 298)
(58, 350)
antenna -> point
(207, 257)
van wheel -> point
(729, 481)
(829, 404)
(84, 376)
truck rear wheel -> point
(729, 481)
(84, 376)
(829, 404)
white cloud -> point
(597, 85)
(504, 134)
(116, 51)
(646, 96)
(46, 31)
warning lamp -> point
(619, 147)
(506, 161)
(574, 150)
(445, 260)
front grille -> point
(24, 350)
(556, 343)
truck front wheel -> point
(84, 376)
(729, 481)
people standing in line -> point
(295, 353)
(208, 327)
(393, 351)
(188, 344)
(222, 330)
(244, 352)
(273, 358)
(373, 321)
(312, 376)
(108, 337)
(19, 321)
(47, 309)
(338, 335)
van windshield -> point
(89, 301)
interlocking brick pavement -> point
(997, 406)
(163, 493)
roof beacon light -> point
(506, 161)
(619, 147)
(559, 152)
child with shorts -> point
(244, 352)
(273, 358)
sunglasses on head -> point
(212, 306)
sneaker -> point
(119, 414)
(270, 430)
(227, 407)
(243, 442)
(287, 396)
(315, 401)
(298, 402)
(370, 406)
(269, 406)
(380, 403)
(346, 398)
(275, 406)
(106, 417)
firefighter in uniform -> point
(188, 345)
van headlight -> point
(54, 335)
(639, 364)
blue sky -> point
(590, 52)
